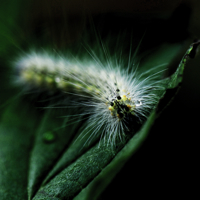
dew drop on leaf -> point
(49, 137)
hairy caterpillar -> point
(114, 99)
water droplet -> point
(139, 103)
(49, 137)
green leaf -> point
(40, 160)
(176, 78)
(16, 139)
(173, 82)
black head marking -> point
(121, 115)
(126, 108)
(118, 97)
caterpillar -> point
(114, 99)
